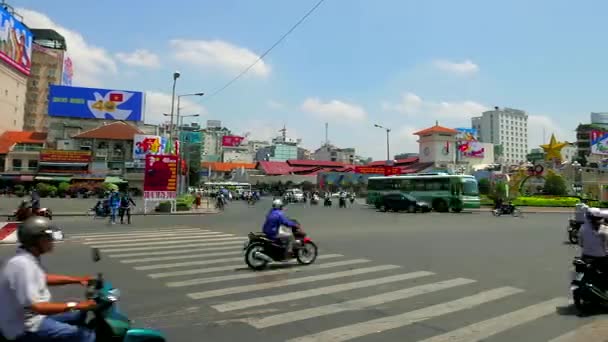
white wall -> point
(13, 87)
(431, 149)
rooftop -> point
(437, 129)
(114, 131)
(10, 138)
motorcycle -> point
(101, 209)
(314, 200)
(109, 323)
(40, 212)
(342, 202)
(352, 199)
(327, 202)
(573, 228)
(588, 286)
(259, 251)
(507, 210)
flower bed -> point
(546, 201)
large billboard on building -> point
(599, 142)
(468, 145)
(65, 156)
(160, 178)
(16, 42)
(67, 73)
(144, 144)
(93, 103)
(188, 137)
(232, 140)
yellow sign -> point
(553, 150)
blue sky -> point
(399, 63)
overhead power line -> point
(242, 73)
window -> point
(16, 164)
(32, 164)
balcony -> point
(22, 169)
(27, 148)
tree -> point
(484, 186)
(555, 184)
(499, 191)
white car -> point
(295, 194)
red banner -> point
(232, 140)
(378, 170)
(160, 173)
(65, 156)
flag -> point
(116, 97)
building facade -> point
(237, 154)
(48, 53)
(13, 86)
(332, 153)
(507, 128)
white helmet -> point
(594, 213)
(277, 203)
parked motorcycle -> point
(109, 323)
(573, 228)
(259, 251)
(507, 210)
(588, 286)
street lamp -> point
(179, 97)
(388, 130)
(175, 77)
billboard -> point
(144, 144)
(378, 170)
(231, 140)
(468, 145)
(16, 42)
(68, 71)
(160, 177)
(599, 142)
(187, 137)
(93, 103)
(65, 156)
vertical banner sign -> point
(160, 179)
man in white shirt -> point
(593, 239)
(27, 313)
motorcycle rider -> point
(593, 238)
(35, 201)
(27, 313)
(272, 226)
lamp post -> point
(179, 97)
(175, 77)
(388, 130)
(180, 186)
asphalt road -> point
(384, 276)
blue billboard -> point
(92, 103)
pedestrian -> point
(125, 207)
(197, 200)
(114, 202)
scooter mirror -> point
(96, 255)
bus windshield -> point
(469, 188)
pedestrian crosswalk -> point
(208, 268)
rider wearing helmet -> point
(593, 237)
(27, 313)
(272, 226)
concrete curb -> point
(179, 213)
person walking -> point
(125, 207)
(114, 202)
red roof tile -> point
(115, 131)
(398, 162)
(9, 138)
(437, 129)
(297, 162)
(275, 168)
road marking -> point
(178, 257)
(188, 263)
(179, 251)
(374, 326)
(225, 268)
(146, 239)
(182, 240)
(356, 304)
(482, 330)
(149, 237)
(200, 281)
(259, 301)
(135, 232)
(179, 247)
(594, 331)
(288, 282)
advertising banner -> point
(468, 145)
(16, 42)
(144, 144)
(92, 103)
(599, 142)
(187, 137)
(378, 170)
(231, 140)
(68, 71)
(65, 156)
(160, 178)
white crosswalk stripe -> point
(206, 265)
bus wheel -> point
(440, 206)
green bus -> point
(443, 191)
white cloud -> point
(158, 103)
(413, 106)
(91, 63)
(275, 104)
(334, 110)
(139, 58)
(464, 68)
(539, 124)
(218, 54)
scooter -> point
(573, 228)
(109, 323)
(588, 286)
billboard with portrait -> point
(160, 177)
(144, 144)
(93, 103)
(599, 142)
(468, 145)
(68, 71)
(16, 42)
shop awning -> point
(53, 178)
(26, 178)
(114, 180)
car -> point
(295, 195)
(399, 202)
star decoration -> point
(553, 149)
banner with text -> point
(599, 142)
(231, 140)
(160, 178)
(144, 144)
(468, 145)
(65, 156)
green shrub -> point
(546, 201)
(63, 188)
(51, 190)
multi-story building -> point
(47, 68)
(211, 150)
(507, 128)
(332, 153)
(15, 61)
(304, 154)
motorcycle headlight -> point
(113, 295)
